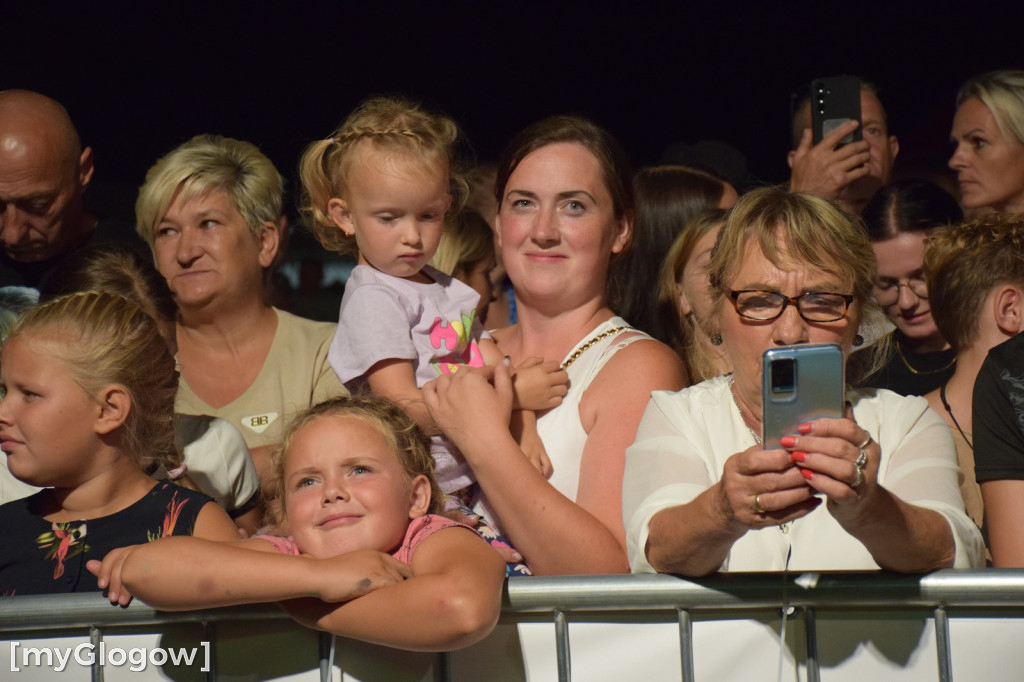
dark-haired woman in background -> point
(667, 198)
(898, 220)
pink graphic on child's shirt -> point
(454, 336)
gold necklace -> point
(732, 381)
(922, 372)
(590, 342)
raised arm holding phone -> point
(847, 174)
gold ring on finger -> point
(757, 505)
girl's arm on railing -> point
(452, 600)
(185, 573)
(449, 597)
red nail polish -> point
(798, 456)
(787, 441)
(807, 473)
(804, 429)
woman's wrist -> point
(693, 538)
(480, 445)
(872, 507)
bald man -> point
(44, 171)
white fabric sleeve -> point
(663, 470)
(919, 465)
(243, 481)
(219, 463)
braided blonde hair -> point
(380, 124)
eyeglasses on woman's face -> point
(813, 306)
(887, 291)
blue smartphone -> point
(800, 383)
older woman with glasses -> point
(876, 488)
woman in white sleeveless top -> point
(565, 206)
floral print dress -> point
(42, 557)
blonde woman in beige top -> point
(211, 212)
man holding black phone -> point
(847, 174)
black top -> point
(44, 557)
(998, 410)
(910, 373)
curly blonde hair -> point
(378, 124)
(963, 263)
(410, 445)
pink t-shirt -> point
(419, 530)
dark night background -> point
(139, 79)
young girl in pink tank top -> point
(362, 552)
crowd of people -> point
(379, 477)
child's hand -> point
(524, 429)
(108, 574)
(533, 447)
(353, 574)
(538, 385)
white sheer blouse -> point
(685, 438)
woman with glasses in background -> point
(898, 221)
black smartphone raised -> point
(834, 101)
(800, 383)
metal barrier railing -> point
(981, 593)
